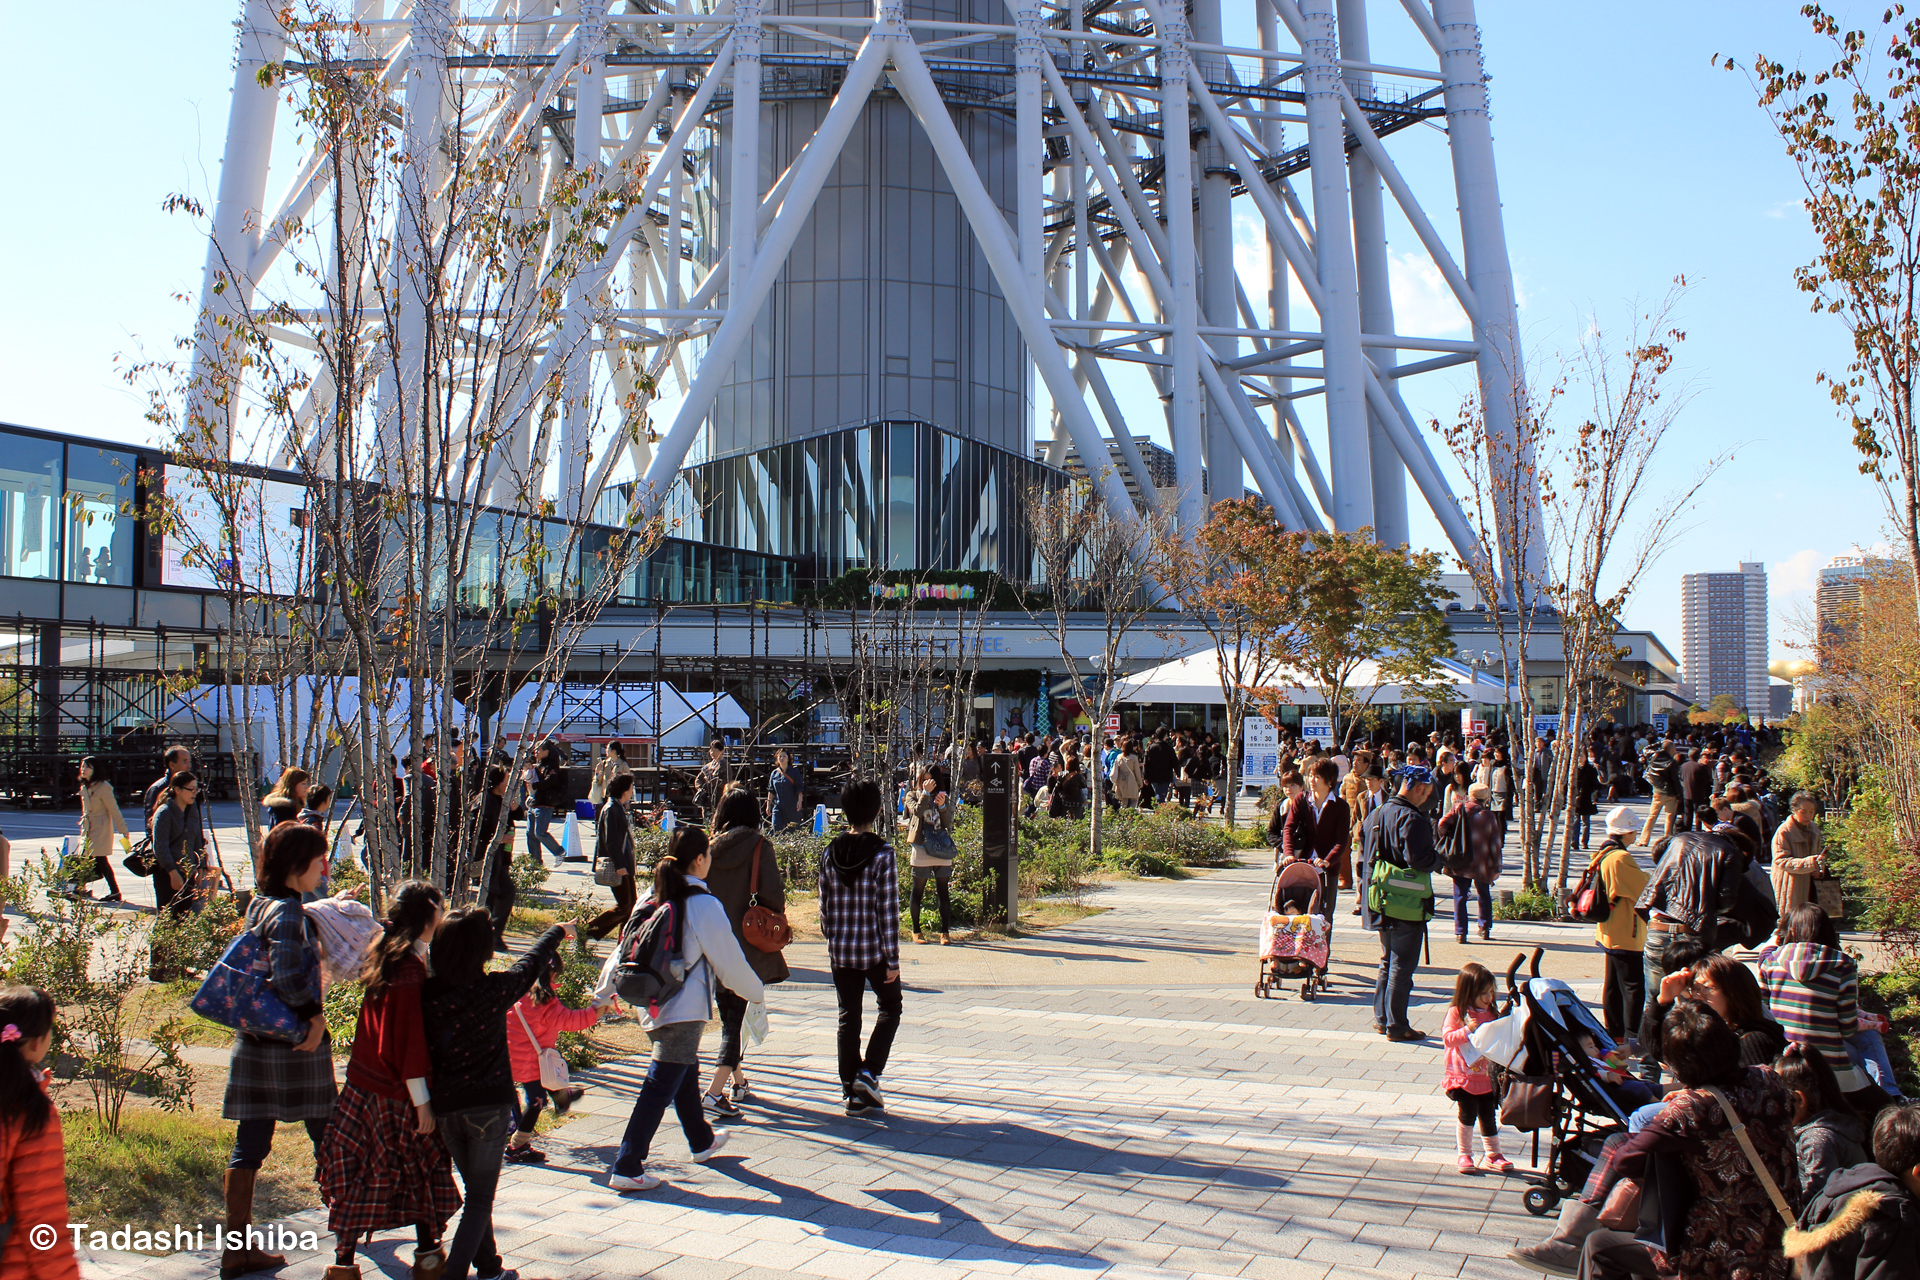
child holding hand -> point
(1471, 1086)
(534, 1025)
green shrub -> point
(529, 873)
(190, 944)
(342, 1005)
(1899, 991)
(1527, 904)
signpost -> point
(1000, 836)
(1660, 723)
(1546, 726)
(1260, 752)
(1317, 729)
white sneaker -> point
(620, 1182)
(719, 1141)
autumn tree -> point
(1852, 130)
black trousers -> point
(850, 987)
(1623, 993)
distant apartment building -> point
(1723, 636)
(1838, 595)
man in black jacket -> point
(1160, 764)
(1398, 833)
(1696, 786)
(1663, 775)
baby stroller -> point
(1548, 1081)
(1296, 937)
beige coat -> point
(1796, 851)
(1128, 774)
(100, 819)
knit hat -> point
(1621, 820)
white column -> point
(1273, 136)
(1182, 311)
(1345, 363)
(1483, 239)
(577, 416)
(1225, 473)
(237, 209)
(1029, 143)
(1376, 297)
(743, 201)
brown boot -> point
(337, 1272)
(238, 1262)
(429, 1263)
(1559, 1253)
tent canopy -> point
(1195, 677)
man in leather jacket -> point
(1693, 894)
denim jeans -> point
(537, 834)
(476, 1138)
(1653, 964)
(1869, 1054)
(667, 1082)
(537, 1098)
(1399, 956)
(1462, 889)
(253, 1139)
(1586, 830)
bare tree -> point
(1092, 559)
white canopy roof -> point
(1195, 677)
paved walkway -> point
(1104, 1101)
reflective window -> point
(902, 551)
(100, 515)
(29, 492)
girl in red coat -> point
(33, 1154)
(381, 1164)
(541, 1012)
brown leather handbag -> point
(764, 928)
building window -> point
(100, 519)
(29, 493)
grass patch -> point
(165, 1169)
(1898, 992)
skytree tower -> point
(865, 244)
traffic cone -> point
(570, 840)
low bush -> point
(1899, 991)
(1527, 904)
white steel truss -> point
(1120, 251)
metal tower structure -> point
(1000, 189)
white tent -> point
(334, 701)
(1196, 678)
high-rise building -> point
(1838, 593)
(1723, 636)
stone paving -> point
(1102, 1101)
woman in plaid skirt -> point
(270, 1080)
(382, 1165)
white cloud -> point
(1422, 302)
(1797, 573)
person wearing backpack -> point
(1397, 842)
(1470, 848)
(1617, 879)
(708, 956)
(860, 916)
(1663, 775)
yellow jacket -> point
(1621, 879)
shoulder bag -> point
(237, 992)
(764, 928)
(1753, 1157)
(553, 1067)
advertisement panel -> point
(1317, 729)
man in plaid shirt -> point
(860, 916)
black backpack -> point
(1456, 847)
(648, 972)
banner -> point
(1259, 752)
(1546, 726)
(1317, 729)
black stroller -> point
(1552, 1083)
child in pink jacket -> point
(541, 1011)
(1471, 1087)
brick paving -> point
(1102, 1101)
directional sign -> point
(1000, 833)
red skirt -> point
(378, 1171)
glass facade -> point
(66, 510)
(893, 495)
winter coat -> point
(548, 1021)
(712, 957)
(1622, 880)
(1305, 836)
(1696, 883)
(1484, 862)
(1863, 1225)
(1828, 1142)
(1128, 774)
(1813, 991)
(100, 820)
(33, 1193)
(727, 879)
(1796, 857)
(1403, 836)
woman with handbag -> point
(930, 839)
(100, 821)
(613, 856)
(180, 843)
(1724, 1189)
(270, 1080)
(745, 875)
(466, 1010)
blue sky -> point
(1625, 159)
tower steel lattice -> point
(988, 186)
